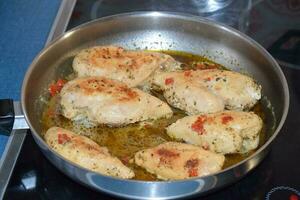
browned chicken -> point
(132, 67)
(86, 153)
(173, 160)
(99, 100)
(223, 132)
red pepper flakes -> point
(193, 172)
(169, 81)
(52, 89)
(207, 79)
(63, 138)
(60, 83)
(187, 73)
(192, 165)
(198, 125)
(226, 119)
(55, 88)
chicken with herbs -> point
(173, 160)
(132, 67)
(239, 91)
(224, 132)
(86, 153)
(98, 100)
(186, 94)
(235, 90)
(115, 88)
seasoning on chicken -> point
(186, 94)
(99, 100)
(238, 91)
(173, 160)
(224, 132)
(128, 66)
(86, 153)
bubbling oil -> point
(124, 142)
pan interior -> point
(157, 33)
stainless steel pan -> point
(157, 30)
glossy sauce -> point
(123, 142)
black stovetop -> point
(277, 177)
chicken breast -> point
(185, 94)
(173, 160)
(104, 101)
(130, 67)
(238, 91)
(86, 153)
(224, 132)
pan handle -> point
(11, 116)
(7, 116)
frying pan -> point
(164, 31)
